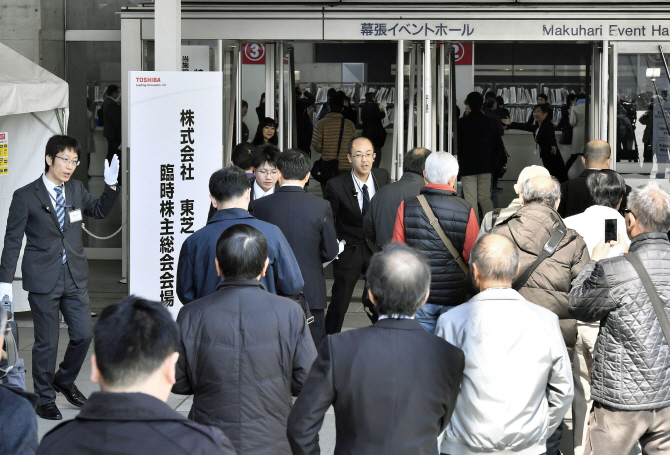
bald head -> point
(358, 142)
(398, 279)
(528, 173)
(543, 190)
(495, 258)
(596, 154)
(414, 161)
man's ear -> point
(583, 161)
(349, 157)
(49, 160)
(265, 266)
(169, 367)
(371, 297)
(558, 202)
(218, 269)
(95, 373)
(214, 201)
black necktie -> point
(366, 200)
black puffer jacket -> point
(448, 281)
(243, 352)
(631, 362)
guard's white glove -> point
(112, 171)
(6, 290)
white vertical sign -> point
(175, 135)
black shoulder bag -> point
(656, 301)
(324, 170)
(548, 250)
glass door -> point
(640, 111)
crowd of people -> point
(484, 333)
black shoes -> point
(49, 411)
(74, 396)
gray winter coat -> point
(243, 352)
(631, 362)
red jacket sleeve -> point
(471, 234)
(399, 228)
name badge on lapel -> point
(75, 215)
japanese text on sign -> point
(166, 239)
(412, 29)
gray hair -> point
(399, 279)
(531, 171)
(441, 167)
(650, 205)
(534, 192)
(496, 257)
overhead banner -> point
(463, 28)
(175, 146)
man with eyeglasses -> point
(264, 162)
(55, 271)
(349, 195)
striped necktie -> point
(60, 212)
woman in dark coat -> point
(545, 140)
(373, 129)
(266, 132)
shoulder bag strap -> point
(547, 250)
(494, 216)
(656, 301)
(436, 225)
(339, 141)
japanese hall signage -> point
(496, 30)
(175, 146)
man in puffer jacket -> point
(549, 284)
(243, 351)
(630, 384)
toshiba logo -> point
(148, 79)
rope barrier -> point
(83, 226)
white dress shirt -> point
(590, 224)
(52, 192)
(259, 193)
(358, 185)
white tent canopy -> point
(33, 107)
(26, 87)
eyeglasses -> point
(265, 172)
(626, 211)
(360, 156)
(67, 161)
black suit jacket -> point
(575, 196)
(111, 115)
(544, 134)
(341, 193)
(393, 386)
(380, 219)
(307, 223)
(32, 213)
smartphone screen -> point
(610, 230)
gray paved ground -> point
(104, 289)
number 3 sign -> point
(253, 53)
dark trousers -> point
(113, 149)
(347, 270)
(555, 165)
(554, 441)
(73, 302)
(318, 327)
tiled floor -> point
(104, 289)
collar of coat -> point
(126, 407)
(404, 324)
(229, 214)
(650, 237)
(241, 283)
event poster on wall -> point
(175, 131)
